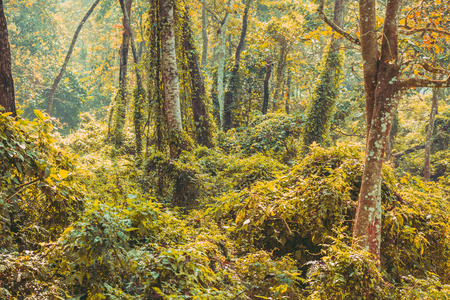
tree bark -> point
(66, 60)
(279, 75)
(430, 130)
(204, 37)
(198, 97)
(233, 84)
(170, 75)
(266, 86)
(121, 97)
(7, 98)
(139, 92)
(221, 64)
(381, 86)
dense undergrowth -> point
(82, 220)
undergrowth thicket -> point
(83, 220)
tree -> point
(121, 96)
(233, 81)
(383, 70)
(327, 90)
(7, 99)
(67, 59)
(266, 86)
(203, 132)
(170, 76)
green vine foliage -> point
(38, 195)
(119, 119)
(297, 212)
(324, 100)
(139, 96)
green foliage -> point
(347, 273)
(273, 134)
(38, 194)
(296, 213)
(324, 99)
(176, 181)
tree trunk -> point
(7, 98)
(121, 97)
(170, 75)
(381, 103)
(221, 64)
(266, 86)
(204, 37)
(139, 92)
(287, 103)
(198, 97)
(233, 84)
(66, 60)
(281, 66)
(430, 130)
(326, 92)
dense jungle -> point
(224, 149)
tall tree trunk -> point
(121, 97)
(279, 75)
(7, 98)
(221, 64)
(266, 86)
(430, 130)
(381, 103)
(288, 94)
(204, 37)
(233, 83)
(326, 92)
(170, 75)
(66, 60)
(198, 98)
(139, 92)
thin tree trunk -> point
(139, 93)
(198, 97)
(204, 37)
(66, 60)
(266, 86)
(288, 94)
(281, 66)
(232, 86)
(430, 131)
(7, 98)
(221, 64)
(121, 97)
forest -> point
(224, 149)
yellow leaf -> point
(63, 174)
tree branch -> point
(407, 151)
(335, 27)
(422, 82)
(410, 31)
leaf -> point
(131, 196)
(63, 174)
(40, 115)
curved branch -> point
(335, 27)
